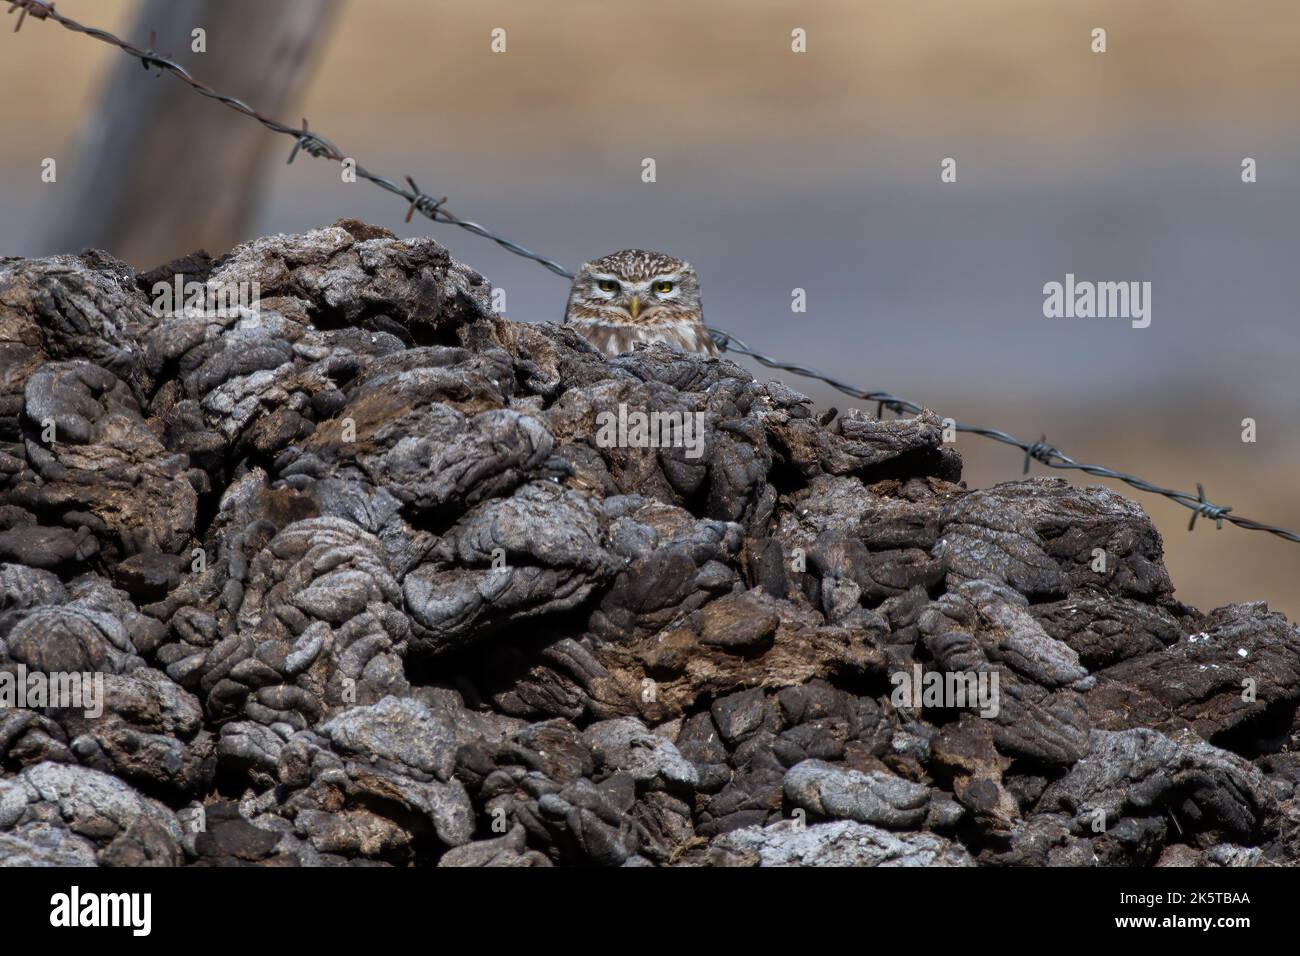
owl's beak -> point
(635, 306)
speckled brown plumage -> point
(635, 296)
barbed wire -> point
(432, 208)
(1038, 451)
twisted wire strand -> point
(1039, 451)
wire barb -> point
(425, 205)
(419, 201)
(1214, 512)
(1039, 451)
(35, 8)
(299, 143)
(150, 57)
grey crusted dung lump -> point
(433, 620)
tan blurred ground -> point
(687, 69)
(583, 76)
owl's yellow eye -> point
(607, 285)
(663, 286)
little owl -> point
(636, 296)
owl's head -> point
(634, 287)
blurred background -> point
(775, 170)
